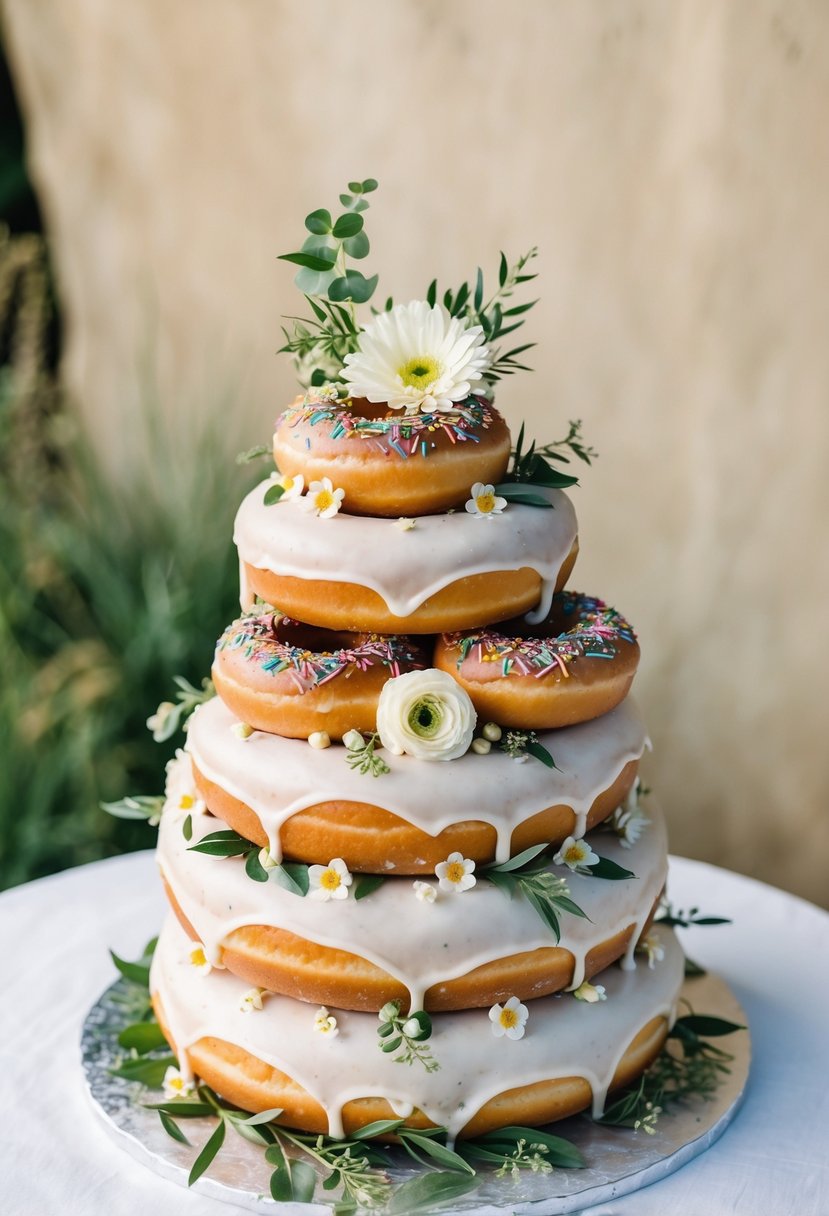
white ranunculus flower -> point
(425, 714)
(417, 358)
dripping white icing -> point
(564, 1038)
(278, 777)
(405, 569)
(397, 932)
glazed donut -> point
(391, 464)
(359, 954)
(275, 1058)
(290, 679)
(311, 806)
(426, 575)
(575, 665)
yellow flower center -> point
(176, 1083)
(330, 880)
(187, 801)
(485, 503)
(508, 1018)
(419, 372)
(574, 854)
(324, 500)
(198, 957)
(288, 484)
(455, 871)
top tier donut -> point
(390, 464)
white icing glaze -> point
(398, 932)
(405, 568)
(564, 1038)
(277, 777)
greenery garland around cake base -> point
(690, 1068)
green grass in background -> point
(106, 592)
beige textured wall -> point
(669, 157)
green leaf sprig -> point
(330, 286)
(669, 916)
(528, 874)
(137, 806)
(364, 758)
(521, 743)
(494, 318)
(688, 1068)
(227, 843)
(532, 467)
(408, 1032)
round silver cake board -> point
(619, 1160)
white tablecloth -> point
(55, 1159)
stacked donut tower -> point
(405, 846)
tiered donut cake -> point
(431, 934)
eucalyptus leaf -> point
(208, 1153)
(357, 246)
(353, 286)
(318, 222)
(348, 224)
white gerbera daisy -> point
(414, 357)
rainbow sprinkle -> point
(593, 632)
(409, 435)
(258, 637)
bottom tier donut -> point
(571, 1053)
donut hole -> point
(312, 638)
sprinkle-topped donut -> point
(290, 679)
(576, 664)
(389, 463)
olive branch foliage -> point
(356, 1165)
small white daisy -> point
(159, 721)
(329, 882)
(175, 1085)
(322, 499)
(252, 1000)
(651, 946)
(484, 502)
(199, 960)
(325, 1023)
(590, 993)
(575, 854)
(426, 892)
(456, 874)
(292, 487)
(509, 1019)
